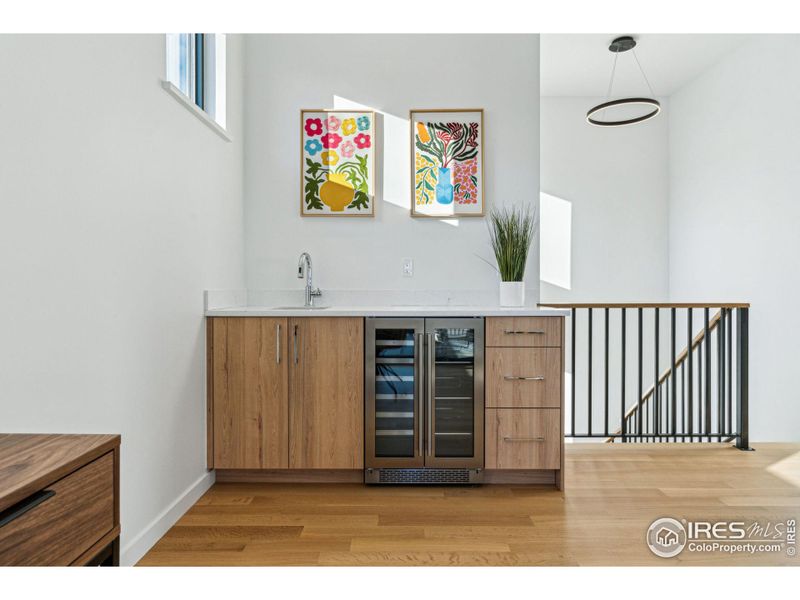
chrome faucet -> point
(304, 270)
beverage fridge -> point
(424, 400)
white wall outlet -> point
(408, 267)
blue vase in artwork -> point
(444, 187)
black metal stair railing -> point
(665, 372)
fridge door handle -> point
(430, 354)
(419, 373)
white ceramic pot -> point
(512, 293)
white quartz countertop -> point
(386, 311)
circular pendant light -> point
(596, 114)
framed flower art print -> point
(447, 163)
(337, 169)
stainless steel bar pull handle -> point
(278, 343)
(420, 378)
(528, 332)
(519, 378)
(523, 439)
(430, 352)
(296, 357)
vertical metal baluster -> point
(683, 399)
(624, 421)
(700, 421)
(606, 372)
(639, 407)
(589, 414)
(673, 374)
(743, 377)
(729, 370)
(720, 374)
(665, 418)
(572, 352)
(689, 408)
(707, 369)
(656, 395)
(647, 417)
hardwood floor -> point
(613, 493)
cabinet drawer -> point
(523, 331)
(523, 438)
(523, 377)
(63, 526)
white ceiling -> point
(580, 64)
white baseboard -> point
(134, 550)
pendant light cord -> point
(641, 70)
(611, 81)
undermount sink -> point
(300, 307)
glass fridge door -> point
(455, 393)
(394, 385)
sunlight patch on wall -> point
(555, 231)
(393, 156)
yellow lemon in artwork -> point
(337, 192)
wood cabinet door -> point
(523, 438)
(250, 393)
(326, 404)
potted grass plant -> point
(511, 233)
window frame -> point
(196, 75)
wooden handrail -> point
(646, 305)
(712, 324)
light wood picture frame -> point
(447, 154)
(337, 163)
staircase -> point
(669, 377)
(697, 394)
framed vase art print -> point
(337, 169)
(447, 163)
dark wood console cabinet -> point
(59, 500)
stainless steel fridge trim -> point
(430, 375)
(477, 324)
(418, 361)
(373, 463)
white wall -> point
(391, 74)
(734, 212)
(118, 208)
(616, 181)
(614, 184)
